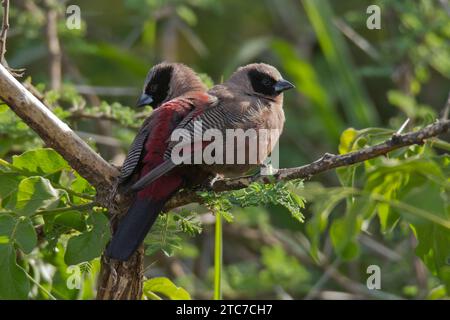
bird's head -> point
(260, 79)
(166, 81)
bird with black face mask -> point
(174, 90)
(252, 98)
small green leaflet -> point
(90, 244)
(33, 193)
(164, 286)
(18, 230)
(40, 161)
(13, 280)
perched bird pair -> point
(251, 99)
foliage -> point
(39, 191)
(165, 235)
(380, 195)
(258, 194)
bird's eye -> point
(153, 88)
(266, 82)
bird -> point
(174, 91)
(252, 98)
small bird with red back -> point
(174, 90)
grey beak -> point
(144, 100)
(283, 85)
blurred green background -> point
(346, 76)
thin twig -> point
(357, 39)
(4, 32)
(446, 109)
(3, 36)
(53, 46)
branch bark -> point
(3, 36)
(4, 32)
(53, 46)
(123, 280)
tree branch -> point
(3, 36)
(5, 27)
(53, 45)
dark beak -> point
(283, 85)
(144, 100)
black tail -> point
(133, 228)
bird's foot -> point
(208, 184)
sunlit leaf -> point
(33, 193)
(40, 161)
(163, 286)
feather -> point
(157, 172)
(134, 155)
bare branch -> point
(357, 39)
(446, 110)
(5, 27)
(3, 36)
(53, 46)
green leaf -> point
(13, 280)
(258, 194)
(187, 15)
(71, 219)
(433, 239)
(33, 193)
(25, 235)
(189, 224)
(171, 244)
(9, 181)
(89, 245)
(40, 161)
(344, 231)
(322, 208)
(227, 215)
(164, 286)
(164, 235)
(81, 185)
(18, 230)
(346, 141)
(7, 226)
(428, 197)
